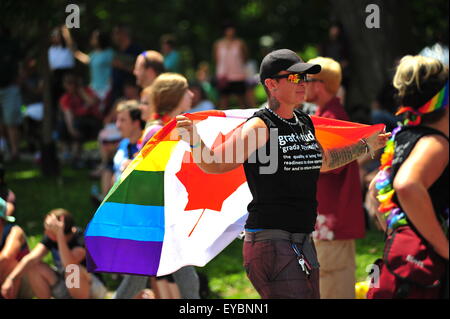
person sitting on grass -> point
(13, 247)
(69, 278)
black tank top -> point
(405, 140)
(285, 198)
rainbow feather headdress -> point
(393, 215)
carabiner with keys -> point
(301, 260)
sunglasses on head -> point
(292, 77)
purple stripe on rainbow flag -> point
(129, 257)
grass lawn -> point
(36, 195)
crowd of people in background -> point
(130, 93)
(84, 105)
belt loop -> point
(253, 235)
(304, 240)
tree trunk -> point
(373, 51)
(49, 159)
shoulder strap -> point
(264, 115)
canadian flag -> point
(165, 213)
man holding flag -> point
(279, 254)
(180, 202)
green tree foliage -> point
(198, 23)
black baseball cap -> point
(285, 60)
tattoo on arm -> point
(338, 157)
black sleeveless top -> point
(284, 187)
(405, 140)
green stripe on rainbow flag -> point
(140, 188)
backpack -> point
(410, 268)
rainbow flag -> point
(165, 213)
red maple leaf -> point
(208, 191)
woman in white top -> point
(230, 54)
(99, 60)
(61, 62)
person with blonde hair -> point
(167, 97)
(411, 188)
(170, 96)
(65, 241)
(340, 206)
